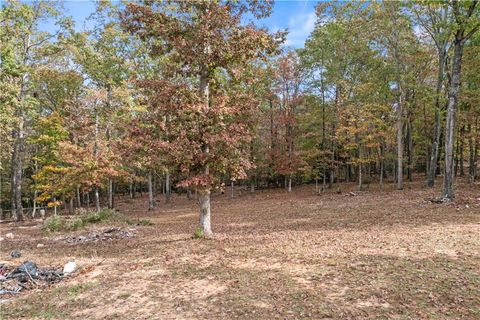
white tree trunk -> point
(204, 201)
(97, 199)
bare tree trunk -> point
(232, 189)
(204, 196)
(290, 183)
(34, 211)
(130, 189)
(97, 199)
(448, 193)
(432, 167)
(88, 199)
(381, 172)
(410, 150)
(110, 193)
(70, 206)
(461, 159)
(204, 201)
(167, 187)
(151, 199)
(400, 143)
(17, 168)
(472, 167)
(79, 200)
(360, 181)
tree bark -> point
(167, 186)
(17, 168)
(130, 189)
(97, 199)
(432, 167)
(204, 201)
(110, 194)
(79, 200)
(400, 143)
(461, 159)
(151, 199)
(472, 167)
(454, 90)
(410, 150)
(204, 196)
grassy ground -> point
(377, 255)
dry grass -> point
(379, 255)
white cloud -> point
(300, 26)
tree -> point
(24, 47)
(466, 24)
(209, 42)
(436, 18)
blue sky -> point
(297, 16)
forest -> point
(163, 110)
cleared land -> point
(379, 254)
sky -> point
(296, 16)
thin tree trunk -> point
(472, 156)
(34, 211)
(400, 143)
(461, 159)
(410, 150)
(232, 189)
(110, 194)
(432, 168)
(151, 199)
(88, 199)
(360, 181)
(97, 199)
(290, 183)
(456, 159)
(79, 200)
(16, 167)
(167, 187)
(381, 167)
(70, 205)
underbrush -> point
(61, 223)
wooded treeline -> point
(194, 96)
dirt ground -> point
(375, 255)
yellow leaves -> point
(52, 204)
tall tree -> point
(435, 18)
(210, 42)
(24, 46)
(467, 23)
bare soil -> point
(378, 254)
